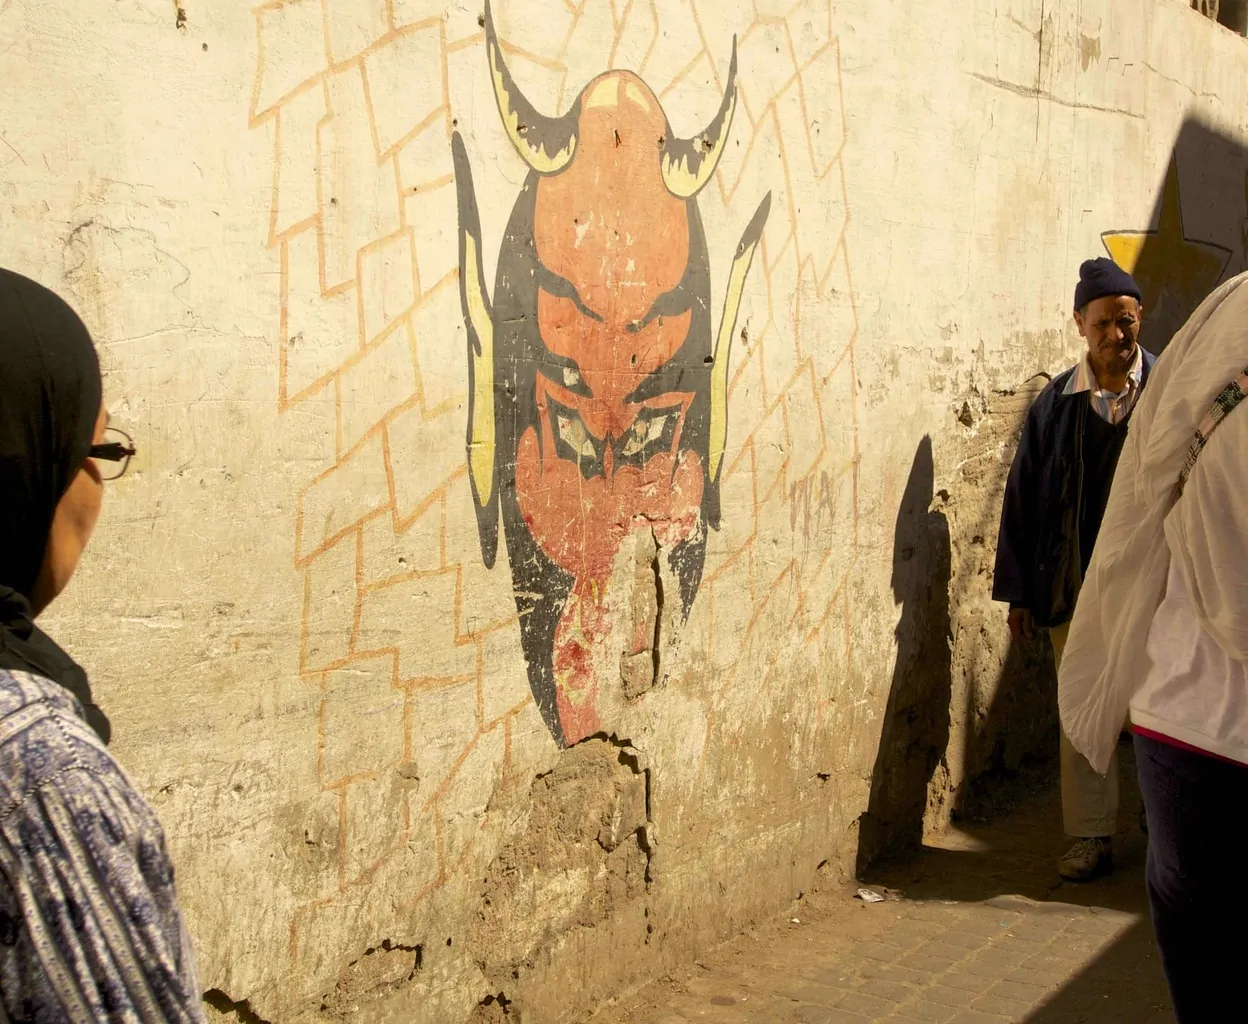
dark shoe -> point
(1087, 859)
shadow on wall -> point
(916, 719)
(1197, 235)
(1232, 14)
(1011, 734)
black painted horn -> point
(546, 143)
(689, 163)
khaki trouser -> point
(1089, 799)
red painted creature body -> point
(597, 405)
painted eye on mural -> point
(573, 441)
(651, 434)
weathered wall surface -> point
(443, 731)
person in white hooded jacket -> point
(1160, 636)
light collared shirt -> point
(1110, 406)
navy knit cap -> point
(1101, 277)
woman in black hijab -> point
(89, 924)
(50, 406)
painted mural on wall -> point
(598, 385)
(404, 631)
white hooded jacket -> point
(1105, 659)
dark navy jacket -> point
(1038, 551)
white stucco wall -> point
(285, 610)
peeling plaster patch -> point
(229, 1009)
(583, 861)
(381, 968)
(492, 1009)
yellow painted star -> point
(1169, 267)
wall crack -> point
(658, 617)
(1030, 92)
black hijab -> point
(50, 393)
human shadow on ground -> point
(1123, 985)
(1016, 853)
(998, 861)
(915, 729)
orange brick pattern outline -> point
(815, 372)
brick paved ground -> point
(984, 932)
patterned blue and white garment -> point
(89, 924)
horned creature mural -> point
(598, 387)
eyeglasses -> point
(118, 450)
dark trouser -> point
(1196, 876)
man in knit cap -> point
(1054, 500)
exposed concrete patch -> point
(582, 863)
(378, 971)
